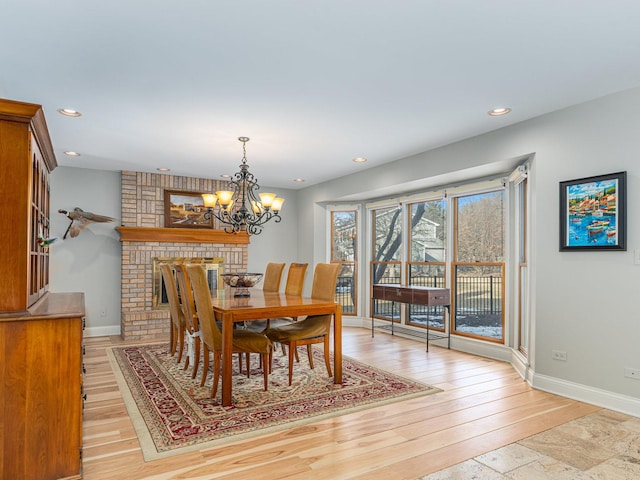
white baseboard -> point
(102, 331)
(521, 365)
(584, 393)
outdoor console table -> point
(429, 296)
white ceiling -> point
(314, 84)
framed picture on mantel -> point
(184, 210)
(593, 213)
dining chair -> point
(270, 283)
(272, 277)
(293, 286)
(295, 279)
(191, 317)
(178, 321)
(244, 341)
(314, 328)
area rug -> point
(172, 414)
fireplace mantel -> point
(180, 235)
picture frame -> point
(593, 213)
(185, 210)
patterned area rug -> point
(172, 414)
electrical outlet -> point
(636, 256)
(559, 355)
(632, 373)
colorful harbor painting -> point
(592, 213)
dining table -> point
(259, 305)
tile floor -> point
(603, 445)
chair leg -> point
(205, 365)
(216, 373)
(292, 348)
(248, 355)
(197, 357)
(186, 361)
(295, 353)
(181, 341)
(327, 360)
(267, 325)
(172, 338)
(265, 369)
(310, 355)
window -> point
(387, 255)
(426, 265)
(344, 235)
(455, 238)
(478, 268)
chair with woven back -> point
(314, 328)
(191, 316)
(244, 341)
(178, 320)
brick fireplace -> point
(144, 238)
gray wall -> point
(278, 242)
(89, 263)
(585, 303)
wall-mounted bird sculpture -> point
(81, 220)
(45, 242)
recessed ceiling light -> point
(72, 153)
(69, 112)
(359, 159)
(224, 175)
(299, 180)
(163, 169)
(496, 112)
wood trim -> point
(180, 235)
(32, 114)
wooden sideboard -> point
(41, 394)
(429, 296)
(40, 332)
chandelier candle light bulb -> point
(240, 210)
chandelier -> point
(241, 208)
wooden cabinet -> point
(41, 390)
(26, 159)
(40, 332)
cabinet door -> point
(39, 221)
(41, 407)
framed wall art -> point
(593, 213)
(184, 210)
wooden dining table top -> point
(261, 305)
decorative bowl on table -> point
(241, 282)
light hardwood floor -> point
(484, 405)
